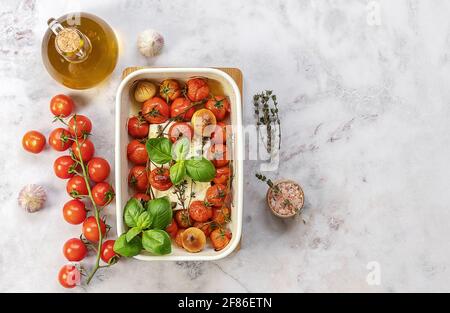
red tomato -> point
(197, 89)
(80, 126)
(180, 129)
(222, 175)
(74, 250)
(199, 212)
(169, 89)
(182, 218)
(59, 139)
(137, 153)
(220, 238)
(76, 186)
(215, 195)
(61, 105)
(172, 229)
(33, 141)
(90, 229)
(142, 196)
(218, 155)
(64, 167)
(84, 150)
(182, 109)
(220, 133)
(74, 212)
(155, 110)
(137, 178)
(159, 178)
(178, 237)
(69, 276)
(221, 216)
(98, 169)
(204, 227)
(107, 253)
(219, 106)
(103, 194)
(137, 127)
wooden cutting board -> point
(234, 72)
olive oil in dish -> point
(79, 50)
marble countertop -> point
(364, 97)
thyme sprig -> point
(266, 114)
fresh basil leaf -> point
(156, 241)
(201, 170)
(161, 212)
(128, 249)
(177, 172)
(144, 220)
(180, 149)
(132, 210)
(132, 233)
(159, 150)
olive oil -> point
(79, 50)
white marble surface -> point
(365, 111)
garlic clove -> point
(144, 91)
(32, 198)
(150, 43)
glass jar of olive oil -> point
(79, 50)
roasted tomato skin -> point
(197, 89)
(137, 152)
(204, 227)
(155, 110)
(172, 229)
(199, 212)
(215, 195)
(137, 127)
(221, 215)
(204, 122)
(182, 109)
(182, 218)
(169, 90)
(221, 133)
(159, 179)
(142, 196)
(137, 178)
(218, 155)
(220, 238)
(219, 106)
(222, 175)
(180, 129)
(179, 238)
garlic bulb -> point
(32, 198)
(150, 43)
(144, 91)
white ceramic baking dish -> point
(125, 107)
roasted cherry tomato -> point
(204, 227)
(107, 253)
(179, 238)
(169, 90)
(218, 155)
(137, 153)
(142, 196)
(64, 167)
(221, 215)
(172, 229)
(84, 150)
(222, 175)
(197, 89)
(59, 139)
(69, 276)
(182, 109)
(74, 212)
(76, 186)
(138, 127)
(159, 178)
(180, 129)
(82, 124)
(219, 106)
(220, 238)
(182, 218)
(204, 122)
(137, 178)
(61, 105)
(74, 250)
(156, 110)
(215, 195)
(33, 141)
(90, 229)
(98, 169)
(102, 193)
(199, 212)
(221, 133)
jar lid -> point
(68, 40)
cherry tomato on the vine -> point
(74, 212)
(180, 129)
(107, 252)
(98, 169)
(218, 155)
(220, 238)
(74, 250)
(69, 276)
(102, 193)
(80, 125)
(222, 175)
(64, 167)
(197, 89)
(137, 152)
(137, 127)
(61, 105)
(182, 218)
(221, 133)
(76, 186)
(219, 106)
(199, 212)
(172, 229)
(159, 178)
(137, 178)
(169, 90)
(155, 110)
(33, 141)
(182, 109)
(59, 139)
(90, 229)
(84, 150)
(215, 195)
